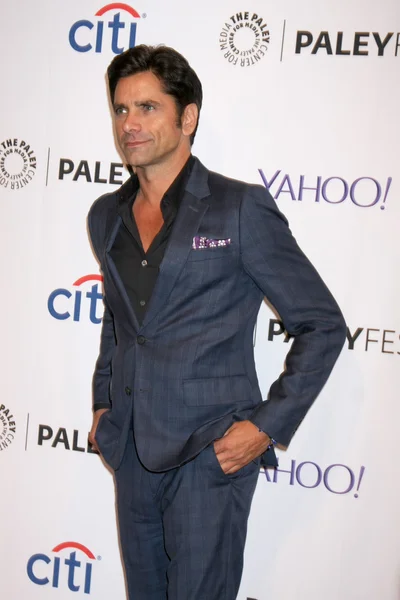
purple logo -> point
(336, 478)
(363, 192)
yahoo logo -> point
(60, 300)
(82, 39)
(363, 192)
(41, 575)
(337, 478)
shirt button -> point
(144, 263)
(142, 302)
(141, 340)
(128, 391)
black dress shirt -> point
(139, 269)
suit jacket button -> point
(128, 391)
(141, 339)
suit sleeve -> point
(102, 372)
(274, 261)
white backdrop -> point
(302, 97)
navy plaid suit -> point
(187, 373)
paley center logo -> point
(77, 576)
(65, 304)
(7, 427)
(244, 39)
(87, 36)
(17, 163)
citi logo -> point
(65, 304)
(84, 35)
(77, 575)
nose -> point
(131, 123)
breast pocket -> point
(208, 267)
(211, 253)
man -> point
(187, 257)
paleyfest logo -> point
(86, 36)
(363, 339)
(17, 163)
(244, 39)
(363, 192)
(73, 573)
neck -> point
(154, 180)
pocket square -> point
(200, 242)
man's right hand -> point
(96, 417)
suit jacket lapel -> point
(187, 222)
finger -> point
(93, 443)
(232, 470)
(227, 467)
(223, 444)
(231, 460)
(222, 454)
(232, 467)
(226, 452)
(228, 463)
(219, 446)
(236, 466)
(221, 457)
(228, 431)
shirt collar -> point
(174, 194)
(170, 201)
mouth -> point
(135, 144)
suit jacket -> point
(187, 373)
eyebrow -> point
(137, 103)
(149, 101)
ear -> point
(189, 119)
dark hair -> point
(171, 68)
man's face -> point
(146, 121)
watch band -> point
(272, 442)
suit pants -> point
(183, 532)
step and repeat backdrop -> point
(301, 97)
